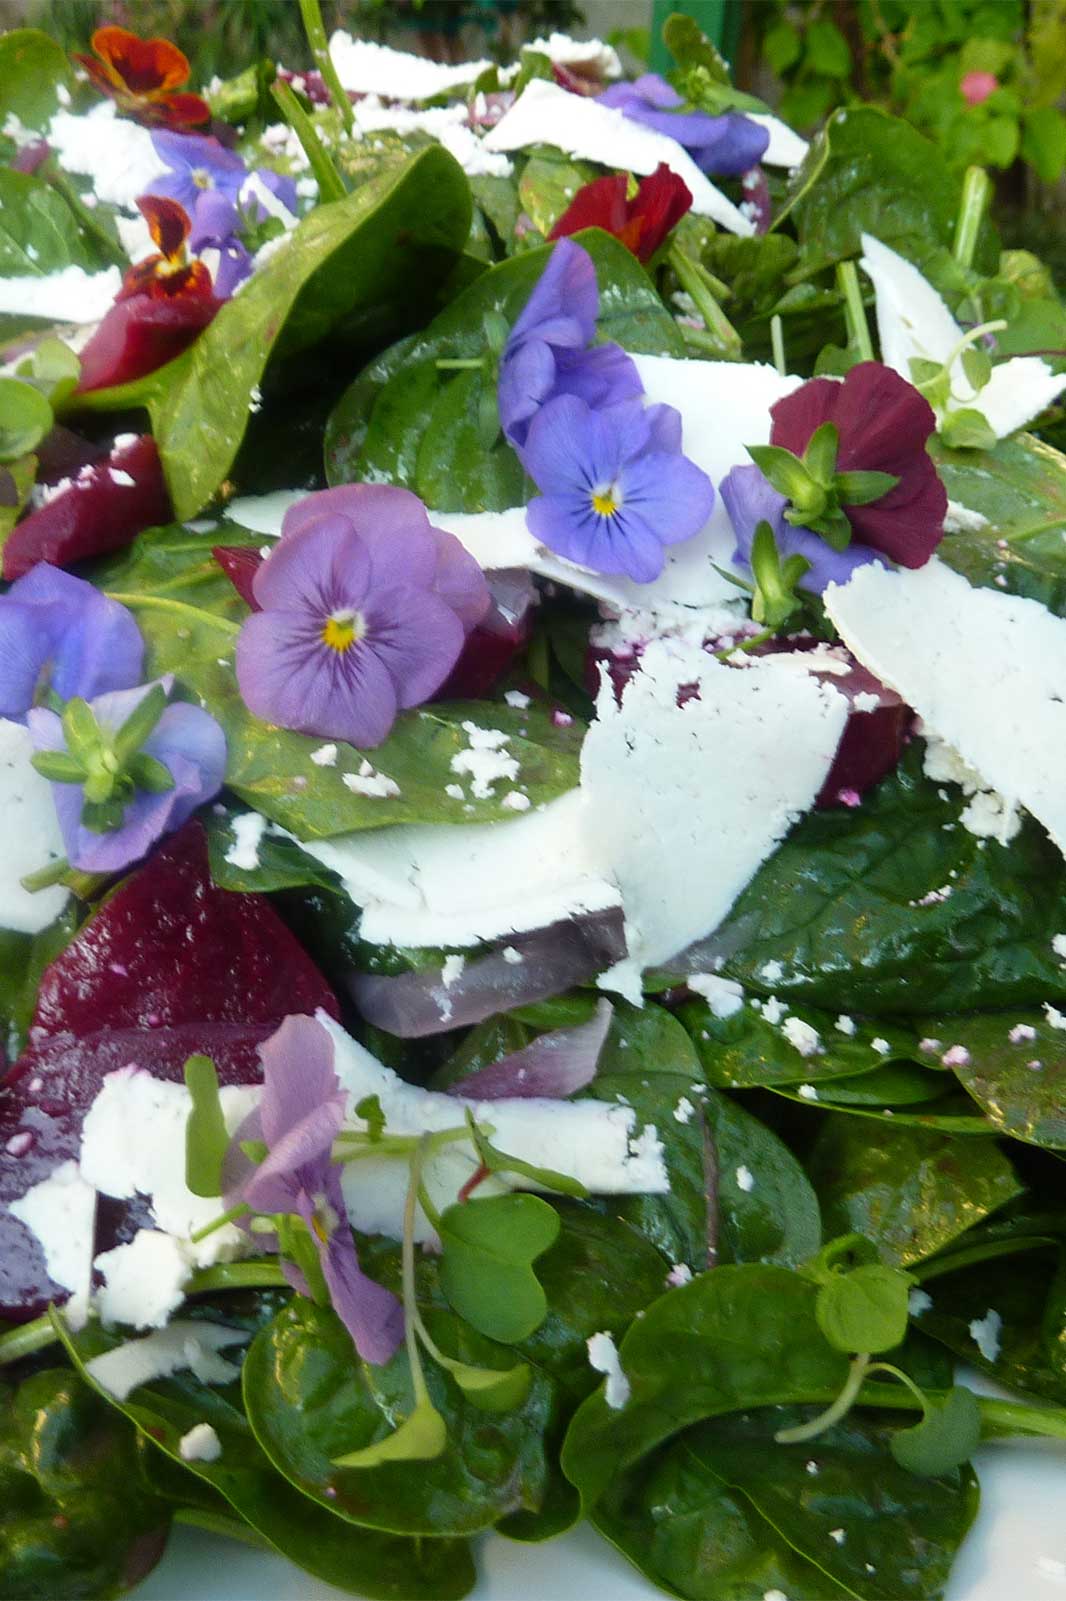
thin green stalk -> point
(164, 603)
(330, 184)
(45, 877)
(854, 310)
(262, 1274)
(697, 282)
(976, 194)
(833, 1413)
(418, 1377)
(777, 344)
(220, 1222)
(467, 364)
(925, 1272)
(219, 1523)
(751, 643)
(316, 38)
(27, 1339)
(109, 245)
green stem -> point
(220, 1222)
(697, 283)
(263, 1274)
(219, 1523)
(45, 877)
(163, 603)
(316, 38)
(330, 185)
(976, 194)
(57, 180)
(26, 1339)
(393, 1144)
(854, 310)
(418, 1377)
(470, 364)
(777, 344)
(752, 643)
(833, 1413)
(925, 1272)
(427, 1206)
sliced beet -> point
(140, 334)
(169, 966)
(102, 509)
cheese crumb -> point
(807, 1092)
(248, 830)
(1021, 1032)
(724, 996)
(985, 1333)
(802, 1037)
(838, 1535)
(773, 1010)
(846, 1025)
(957, 1056)
(683, 1110)
(515, 698)
(144, 1280)
(1055, 1018)
(918, 1301)
(745, 1180)
(772, 972)
(200, 1444)
(451, 970)
(603, 1357)
(512, 956)
(881, 1046)
(368, 781)
(679, 1274)
(325, 756)
(515, 801)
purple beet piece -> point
(240, 564)
(169, 966)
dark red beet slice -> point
(140, 334)
(170, 965)
(103, 509)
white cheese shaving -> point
(594, 53)
(786, 147)
(69, 294)
(918, 1301)
(724, 996)
(984, 670)
(248, 830)
(200, 1444)
(31, 837)
(603, 1356)
(144, 1281)
(591, 1141)
(60, 1212)
(185, 1343)
(546, 114)
(369, 68)
(115, 154)
(447, 124)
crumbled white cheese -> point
(1058, 945)
(447, 124)
(1021, 1033)
(984, 671)
(773, 972)
(144, 1281)
(515, 801)
(70, 294)
(580, 126)
(325, 756)
(452, 970)
(802, 1037)
(31, 838)
(807, 1092)
(918, 1301)
(376, 69)
(455, 792)
(846, 1025)
(724, 996)
(961, 520)
(881, 1046)
(745, 1179)
(486, 763)
(679, 1274)
(1056, 1018)
(60, 1212)
(512, 957)
(955, 1056)
(985, 1332)
(515, 698)
(603, 1356)
(369, 782)
(184, 1343)
(684, 1110)
(200, 1444)
(773, 1011)
(838, 1536)
(117, 155)
(248, 830)
(592, 1141)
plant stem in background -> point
(93, 227)
(777, 344)
(697, 283)
(316, 38)
(976, 194)
(330, 186)
(854, 310)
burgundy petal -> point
(240, 563)
(553, 1065)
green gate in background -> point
(719, 19)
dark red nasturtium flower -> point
(164, 302)
(142, 77)
(883, 424)
(642, 223)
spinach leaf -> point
(405, 421)
(310, 1400)
(23, 958)
(33, 67)
(1019, 1083)
(868, 172)
(548, 184)
(38, 232)
(78, 1517)
(359, 1562)
(838, 907)
(765, 1209)
(363, 266)
(910, 1190)
(190, 617)
(746, 1050)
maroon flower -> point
(641, 223)
(883, 424)
(142, 77)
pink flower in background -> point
(976, 87)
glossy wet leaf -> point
(38, 233)
(33, 68)
(913, 1191)
(1019, 1083)
(25, 418)
(360, 1562)
(486, 1269)
(78, 1516)
(864, 1310)
(947, 1435)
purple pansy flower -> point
(58, 631)
(215, 226)
(750, 499)
(615, 488)
(726, 145)
(298, 1118)
(197, 164)
(365, 610)
(545, 354)
(186, 740)
(274, 183)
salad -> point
(532, 899)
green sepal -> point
(859, 488)
(774, 599)
(58, 766)
(149, 774)
(206, 1136)
(786, 473)
(820, 456)
(82, 731)
(140, 724)
(420, 1437)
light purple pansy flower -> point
(298, 1118)
(365, 610)
(57, 631)
(545, 354)
(189, 743)
(726, 145)
(615, 488)
(278, 184)
(215, 226)
(750, 499)
(197, 164)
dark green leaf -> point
(947, 1436)
(548, 184)
(745, 1050)
(23, 958)
(865, 1310)
(488, 1247)
(38, 232)
(33, 68)
(25, 418)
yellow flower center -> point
(342, 629)
(606, 500)
(201, 178)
